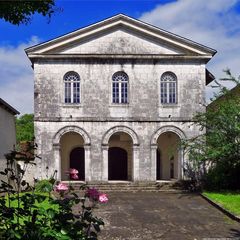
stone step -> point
(170, 186)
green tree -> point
(214, 156)
(20, 11)
(24, 128)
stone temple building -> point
(115, 98)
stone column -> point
(87, 154)
(135, 163)
(154, 162)
(57, 157)
(105, 163)
(180, 163)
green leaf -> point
(17, 235)
(63, 232)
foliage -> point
(25, 128)
(214, 156)
(228, 200)
(20, 11)
(44, 204)
(26, 213)
(45, 185)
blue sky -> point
(215, 23)
(74, 14)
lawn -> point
(228, 200)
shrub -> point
(45, 185)
(214, 155)
(25, 213)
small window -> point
(168, 88)
(120, 88)
(72, 87)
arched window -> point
(168, 88)
(72, 87)
(120, 87)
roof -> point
(8, 107)
(120, 20)
(235, 91)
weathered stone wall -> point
(46, 131)
(96, 90)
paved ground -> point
(149, 215)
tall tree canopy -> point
(24, 128)
(20, 11)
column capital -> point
(136, 146)
(105, 146)
(154, 146)
(56, 146)
(86, 146)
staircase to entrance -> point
(122, 186)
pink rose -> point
(74, 176)
(61, 187)
(73, 171)
(93, 193)
(103, 198)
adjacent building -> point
(7, 130)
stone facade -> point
(96, 53)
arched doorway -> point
(117, 164)
(120, 157)
(77, 161)
(72, 155)
(168, 156)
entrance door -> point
(159, 175)
(77, 161)
(117, 164)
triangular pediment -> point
(121, 35)
(119, 41)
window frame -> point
(120, 89)
(170, 91)
(75, 89)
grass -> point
(228, 200)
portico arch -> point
(84, 143)
(119, 130)
(76, 129)
(164, 129)
(124, 129)
(164, 135)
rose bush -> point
(58, 213)
(61, 187)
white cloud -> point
(16, 82)
(213, 23)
